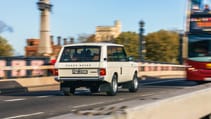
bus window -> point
(199, 48)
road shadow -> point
(7, 87)
(78, 92)
(180, 82)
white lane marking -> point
(13, 100)
(85, 105)
(150, 94)
(43, 96)
(120, 99)
(156, 82)
(24, 115)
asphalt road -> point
(48, 104)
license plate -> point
(80, 71)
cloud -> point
(4, 27)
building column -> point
(44, 48)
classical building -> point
(107, 33)
(103, 34)
(32, 46)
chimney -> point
(71, 40)
(59, 40)
(52, 42)
(65, 41)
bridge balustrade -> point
(15, 67)
(36, 67)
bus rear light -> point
(208, 66)
(102, 72)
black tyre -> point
(68, 91)
(94, 89)
(200, 82)
(134, 84)
(113, 86)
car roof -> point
(93, 44)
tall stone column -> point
(44, 48)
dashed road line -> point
(20, 99)
(24, 115)
(145, 95)
(14, 100)
(44, 96)
(121, 99)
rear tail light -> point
(102, 72)
(54, 72)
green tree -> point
(162, 46)
(5, 48)
(130, 41)
(83, 38)
(91, 38)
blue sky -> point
(70, 18)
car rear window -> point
(81, 54)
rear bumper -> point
(59, 79)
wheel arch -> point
(115, 73)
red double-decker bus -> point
(198, 32)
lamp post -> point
(181, 34)
(44, 48)
(141, 41)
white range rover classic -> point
(101, 67)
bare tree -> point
(4, 27)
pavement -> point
(26, 84)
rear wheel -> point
(67, 90)
(134, 84)
(113, 86)
(94, 89)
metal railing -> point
(160, 70)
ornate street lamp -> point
(141, 41)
